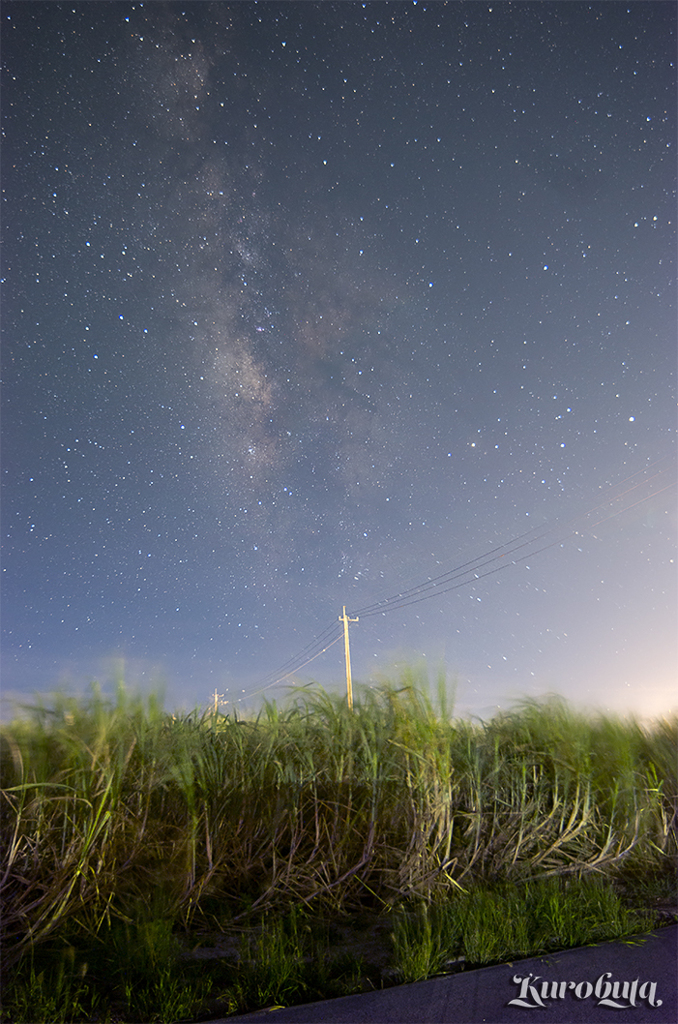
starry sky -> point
(313, 305)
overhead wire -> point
(506, 548)
(468, 572)
(297, 668)
(305, 655)
(460, 575)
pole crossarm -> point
(349, 685)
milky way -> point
(307, 304)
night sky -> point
(307, 304)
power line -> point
(305, 651)
(307, 654)
(492, 561)
(281, 676)
(281, 679)
(467, 572)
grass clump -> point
(51, 992)
(285, 962)
(123, 826)
(487, 924)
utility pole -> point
(218, 699)
(349, 686)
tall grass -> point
(117, 812)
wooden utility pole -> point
(218, 699)
(349, 685)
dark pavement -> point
(610, 982)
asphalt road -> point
(611, 982)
